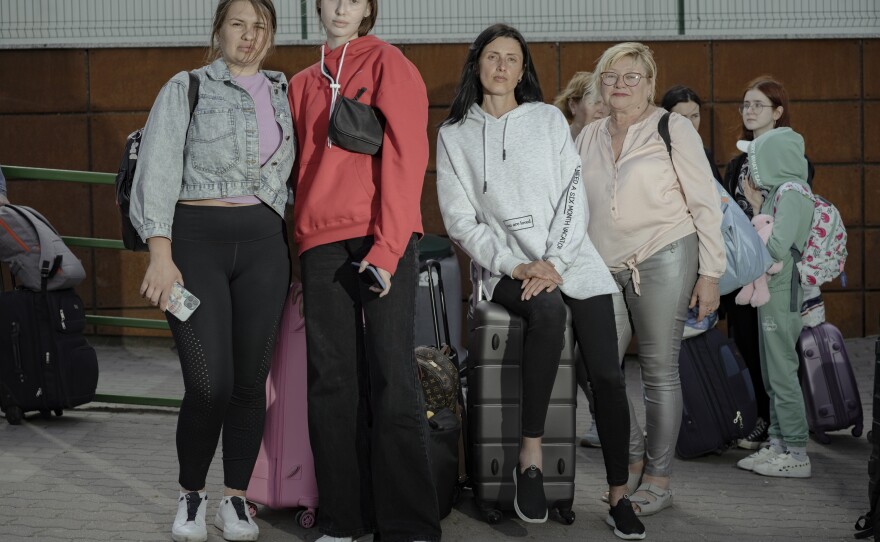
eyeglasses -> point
(757, 106)
(609, 79)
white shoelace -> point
(334, 83)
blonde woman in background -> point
(579, 103)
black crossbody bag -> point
(356, 126)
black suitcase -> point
(493, 412)
(831, 394)
(717, 394)
(869, 523)
(45, 362)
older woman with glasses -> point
(656, 225)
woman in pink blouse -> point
(657, 227)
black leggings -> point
(235, 260)
(596, 334)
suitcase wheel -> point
(493, 516)
(857, 430)
(305, 518)
(58, 412)
(252, 509)
(822, 437)
(13, 415)
(567, 516)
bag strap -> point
(663, 129)
(47, 269)
(429, 266)
(192, 92)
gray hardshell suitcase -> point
(493, 410)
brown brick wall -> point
(75, 107)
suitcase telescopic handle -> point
(429, 266)
(476, 283)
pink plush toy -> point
(756, 293)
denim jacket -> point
(218, 157)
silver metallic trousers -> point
(657, 316)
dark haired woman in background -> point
(503, 154)
(367, 419)
(196, 181)
(684, 101)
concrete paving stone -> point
(114, 471)
(17, 534)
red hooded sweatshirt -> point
(341, 194)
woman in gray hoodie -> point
(510, 191)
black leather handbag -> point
(356, 126)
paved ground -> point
(105, 473)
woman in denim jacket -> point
(216, 183)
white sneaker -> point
(189, 524)
(591, 438)
(785, 466)
(761, 456)
(233, 519)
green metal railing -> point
(89, 177)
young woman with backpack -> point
(208, 197)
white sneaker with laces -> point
(785, 466)
(189, 524)
(233, 519)
(761, 456)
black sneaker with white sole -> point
(529, 501)
(623, 519)
(757, 437)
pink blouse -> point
(640, 203)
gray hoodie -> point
(511, 192)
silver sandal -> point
(662, 499)
(632, 483)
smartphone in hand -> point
(370, 275)
(181, 302)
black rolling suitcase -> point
(869, 523)
(493, 411)
(717, 394)
(46, 364)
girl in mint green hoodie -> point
(777, 158)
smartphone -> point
(370, 275)
(181, 302)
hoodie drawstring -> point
(334, 83)
(485, 151)
(504, 140)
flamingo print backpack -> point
(825, 253)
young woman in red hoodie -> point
(366, 416)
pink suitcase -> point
(284, 476)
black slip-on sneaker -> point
(529, 501)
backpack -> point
(825, 253)
(36, 255)
(125, 176)
(747, 256)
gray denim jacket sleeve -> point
(159, 174)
